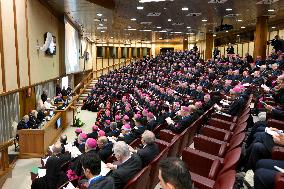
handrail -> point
(4, 161)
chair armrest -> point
(213, 132)
(275, 123)
(278, 153)
(221, 124)
(201, 182)
(225, 117)
(199, 163)
(210, 145)
(167, 135)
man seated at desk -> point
(47, 105)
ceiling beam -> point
(109, 4)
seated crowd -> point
(172, 90)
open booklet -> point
(271, 132)
(104, 169)
(169, 121)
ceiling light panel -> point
(194, 14)
(154, 14)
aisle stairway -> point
(85, 93)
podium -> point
(34, 143)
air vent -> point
(266, 2)
(194, 14)
(218, 1)
(154, 14)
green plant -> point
(78, 122)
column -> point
(209, 46)
(260, 37)
(119, 53)
(185, 44)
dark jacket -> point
(104, 183)
(106, 151)
(182, 124)
(148, 153)
(126, 171)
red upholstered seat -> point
(278, 153)
(232, 119)
(279, 181)
(157, 129)
(135, 143)
(221, 124)
(213, 132)
(154, 180)
(140, 180)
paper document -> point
(271, 132)
(69, 186)
(41, 173)
(75, 152)
(104, 169)
(169, 121)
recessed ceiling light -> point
(238, 35)
(229, 9)
(145, 30)
(204, 20)
(243, 27)
(101, 25)
(99, 14)
(148, 1)
(102, 31)
(133, 19)
(273, 27)
(131, 29)
(191, 33)
(140, 8)
(185, 39)
(184, 8)
(214, 35)
(270, 10)
(188, 27)
(111, 37)
(239, 20)
(227, 31)
(159, 27)
(160, 38)
(169, 20)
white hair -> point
(148, 137)
(121, 148)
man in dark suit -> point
(43, 96)
(149, 150)
(94, 133)
(187, 117)
(104, 148)
(91, 164)
(128, 165)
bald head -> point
(56, 149)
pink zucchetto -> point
(107, 121)
(126, 127)
(126, 117)
(236, 90)
(83, 136)
(150, 115)
(101, 133)
(136, 116)
(78, 130)
(95, 128)
(198, 104)
(117, 117)
(185, 108)
(92, 143)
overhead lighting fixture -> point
(111, 37)
(204, 20)
(184, 9)
(239, 20)
(148, 1)
(227, 31)
(243, 27)
(185, 39)
(99, 14)
(133, 19)
(131, 29)
(163, 31)
(140, 8)
(229, 9)
(102, 31)
(191, 33)
(188, 27)
(214, 35)
(160, 38)
(273, 27)
(101, 25)
(159, 27)
(145, 30)
(169, 20)
(270, 10)
(238, 35)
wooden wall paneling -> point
(2, 51)
(8, 29)
(16, 42)
(28, 41)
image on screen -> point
(58, 123)
(72, 46)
